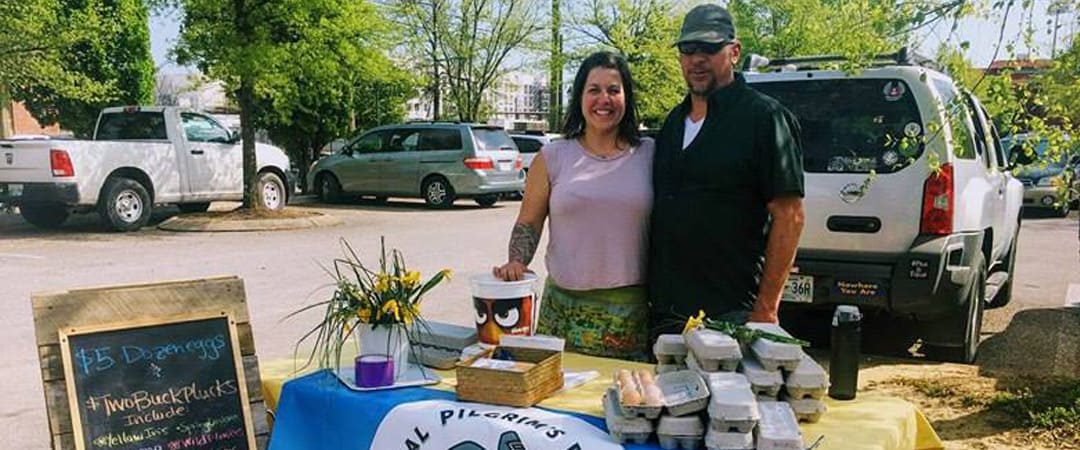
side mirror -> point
(234, 137)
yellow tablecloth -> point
(870, 422)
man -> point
(728, 185)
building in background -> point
(1023, 68)
(518, 102)
(15, 120)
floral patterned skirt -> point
(611, 323)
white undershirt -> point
(692, 129)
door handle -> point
(196, 152)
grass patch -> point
(1051, 405)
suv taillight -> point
(480, 163)
(938, 202)
(61, 163)
(519, 163)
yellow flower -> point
(411, 279)
(382, 283)
(364, 315)
(446, 273)
(694, 323)
(391, 307)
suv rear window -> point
(136, 126)
(526, 145)
(853, 125)
(492, 139)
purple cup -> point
(374, 370)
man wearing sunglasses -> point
(728, 188)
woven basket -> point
(503, 387)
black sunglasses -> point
(708, 48)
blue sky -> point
(982, 33)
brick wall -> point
(24, 123)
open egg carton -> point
(764, 383)
(638, 394)
(778, 429)
(775, 355)
(713, 351)
(808, 381)
(686, 432)
(621, 427)
(685, 392)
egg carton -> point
(687, 432)
(693, 363)
(775, 355)
(733, 409)
(713, 350)
(622, 428)
(765, 383)
(808, 409)
(809, 380)
(718, 381)
(646, 411)
(720, 440)
(665, 368)
(670, 349)
(778, 428)
(685, 392)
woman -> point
(594, 189)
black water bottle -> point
(844, 360)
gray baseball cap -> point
(707, 23)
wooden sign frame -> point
(69, 372)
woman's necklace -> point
(605, 154)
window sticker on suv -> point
(853, 125)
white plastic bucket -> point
(504, 307)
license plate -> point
(799, 289)
(504, 166)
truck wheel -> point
(193, 207)
(328, 188)
(438, 193)
(270, 192)
(487, 201)
(1004, 294)
(125, 205)
(44, 216)
(969, 321)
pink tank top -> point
(598, 215)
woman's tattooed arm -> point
(523, 242)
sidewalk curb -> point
(199, 224)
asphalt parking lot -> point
(283, 270)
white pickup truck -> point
(139, 157)
(912, 212)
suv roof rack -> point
(902, 57)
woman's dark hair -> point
(574, 126)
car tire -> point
(44, 216)
(328, 188)
(969, 320)
(1004, 294)
(437, 192)
(487, 201)
(270, 193)
(125, 205)
(193, 207)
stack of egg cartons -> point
(732, 410)
(685, 396)
(805, 381)
(625, 426)
(670, 351)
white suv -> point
(910, 207)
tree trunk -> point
(245, 96)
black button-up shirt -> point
(710, 217)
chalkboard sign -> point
(157, 386)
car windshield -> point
(853, 125)
(492, 139)
(1057, 159)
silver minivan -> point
(438, 162)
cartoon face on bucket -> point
(503, 307)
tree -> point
(643, 32)
(425, 22)
(556, 65)
(116, 55)
(467, 43)
(34, 34)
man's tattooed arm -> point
(523, 242)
